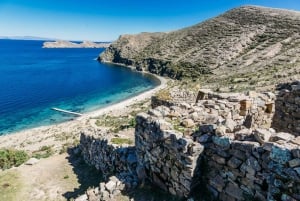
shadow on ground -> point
(149, 192)
(87, 176)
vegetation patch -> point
(116, 123)
(12, 157)
(164, 94)
(121, 141)
(43, 152)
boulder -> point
(262, 135)
(244, 134)
(188, 123)
(32, 161)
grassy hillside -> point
(245, 47)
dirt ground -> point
(60, 177)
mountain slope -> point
(250, 44)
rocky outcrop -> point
(248, 45)
(68, 44)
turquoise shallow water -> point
(33, 80)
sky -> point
(99, 20)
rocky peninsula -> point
(68, 44)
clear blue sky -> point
(106, 20)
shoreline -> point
(129, 101)
(34, 138)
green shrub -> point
(43, 152)
(12, 157)
(120, 141)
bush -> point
(12, 157)
(120, 141)
(43, 152)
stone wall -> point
(168, 158)
(223, 140)
(287, 115)
(110, 159)
(248, 170)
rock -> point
(110, 186)
(296, 141)
(285, 197)
(188, 123)
(253, 163)
(32, 161)
(211, 119)
(217, 182)
(83, 197)
(105, 195)
(207, 128)
(92, 196)
(174, 113)
(221, 130)
(234, 191)
(204, 138)
(163, 124)
(234, 162)
(218, 159)
(223, 142)
(262, 135)
(155, 112)
(185, 105)
(131, 158)
(140, 170)
(230, 124)
(294, 163)
(159, 182)
(244, 134)
(280, 155)
(281, 136)
(297, 169)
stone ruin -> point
(225, 146)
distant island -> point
(68, 44)
(26, 38)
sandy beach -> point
(57, 135)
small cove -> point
(33, 80)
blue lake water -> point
(33, 80)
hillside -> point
(249, 45)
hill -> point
(248, 46)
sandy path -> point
(45, 180)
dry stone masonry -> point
(287, 116)
(236, 146)
(168, 158)
(116, 163)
